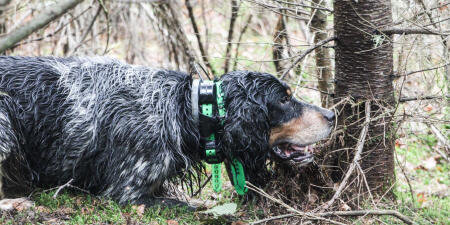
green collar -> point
(208, 111)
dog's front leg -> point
(149, 202)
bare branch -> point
(305, 53)
(406, 31)
(203, 53)
(423, 70)
(45, 17)
(407, 99)
(356, 158)
(318, 6)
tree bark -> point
(322, 55)
(278, 48)
(45, 17)
(362, 73)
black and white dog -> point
(124, 131)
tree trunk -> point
(363, 67)
(322, 55)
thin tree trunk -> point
(362, 73)
(165, 19)
(3, 6)
(322, 55)
(278, 48)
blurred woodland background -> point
(382, 65)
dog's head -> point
(264, 118)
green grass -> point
(424, 207)
(70, 208)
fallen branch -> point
(310, 216)
(305, 53)
(381, 212)
(357, 157)
(62, 187)
(49, 14)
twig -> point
(49, 14)
(234, 12)
(318, 7)
(197, 35)
(202, 186)
(305, 53)
(357, 157)
(423, 70)
(62, 187)
(407, 99)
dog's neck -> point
(208, 111)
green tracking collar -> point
(208, 96)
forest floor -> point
(418, 168)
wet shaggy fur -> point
(121, 131)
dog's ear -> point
(247, 120)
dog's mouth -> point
(295, 152)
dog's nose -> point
(329, 115)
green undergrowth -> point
(72, 208)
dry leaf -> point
(442, 7)
(239, 223)
(172, 222)
(421, 198)
(428, 108)
(344, 207)
(140, 209)
(43, 209)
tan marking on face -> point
(309, 128)
(289, 92)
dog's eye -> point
(285, 99)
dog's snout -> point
(329, 115)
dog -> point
(124, 131)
